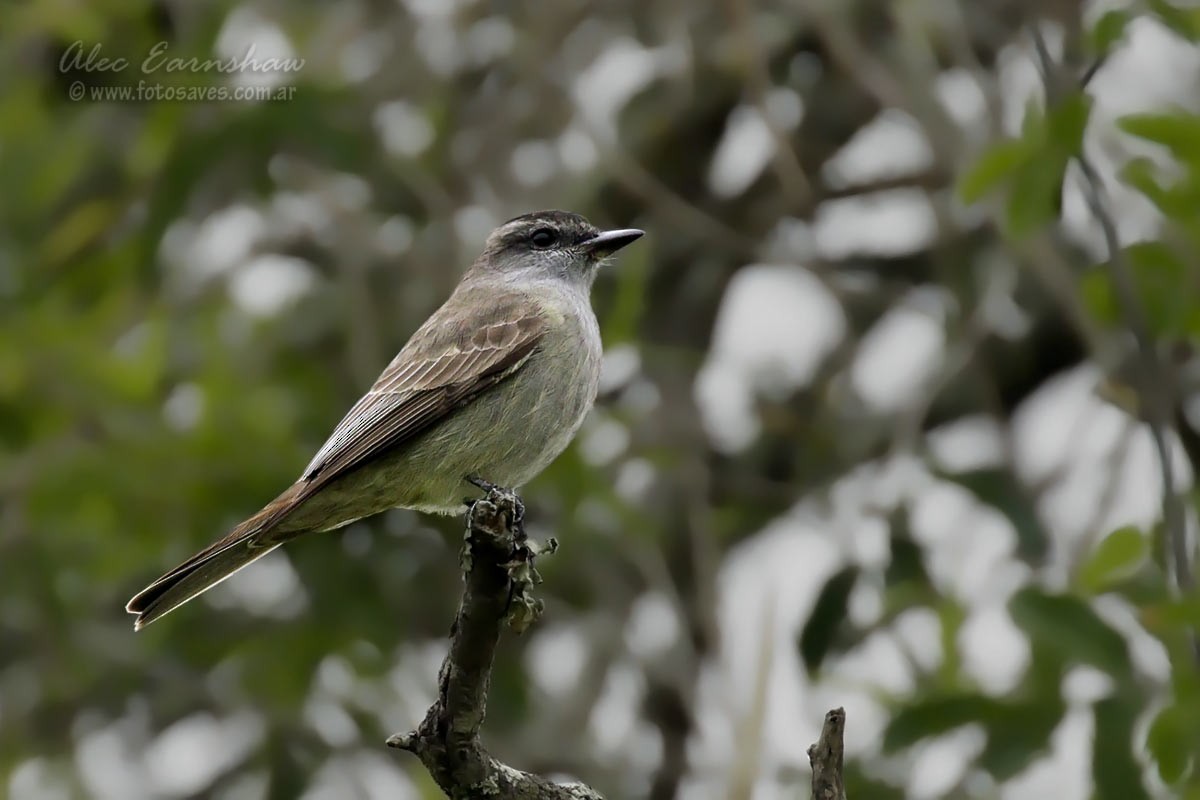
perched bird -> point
(492, 387)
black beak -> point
(609, 242)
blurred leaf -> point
(1095, 289)
(1068, 626)
(1017, 731)
(998, 163)
(1035, 164)
(82, 227)
(1163, 282)
(1033, 122)
(1142, 174)
(934, 716)
(1184, 612)
(1116, 772)
(827, 616)
(1108, 30)
(1184, 21)
(1066, 123)
(906, 564)
(1178, 131)
(859, 784)
(951, 615)
(1177, 201)
(1119, 555)
(1036, 197)
(1173, 742)
(999, 489)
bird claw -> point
(503, 498)
(479, 482)
(523, 608)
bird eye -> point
(543, 238)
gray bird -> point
(493, 386)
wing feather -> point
(424, 383)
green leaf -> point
(1178, 131)
(1167, 287)
(1176, 201)
(1116, 772)
(933, 717)
(1108, 30)
(951, 616)
(1066, 123)
(1172, 742)
(1017, 731)
(859, 784)
(1067, 626)
(1183, 612)
(1036, 197)
(1183, 21)
(1157, 258)
(906, 564)
(994, 165)
(1033, 124)
(1118, 556)
(827, 617)
(999, 489)
(1095, 289)
(1142, 174)
(1035, 164)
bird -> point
(490, 389)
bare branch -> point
(1092, 69)
(499, 574)
(826, 758)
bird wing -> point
(450, 359)
(435, 373)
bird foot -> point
(502, 498)
(490, 513)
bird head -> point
(550, 245)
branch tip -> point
(826, 758)
(498, 579)
(403, 741)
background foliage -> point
(849, 451)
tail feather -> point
(247, 543)
(171, 591)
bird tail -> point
(244, 545)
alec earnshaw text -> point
(79, 58)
